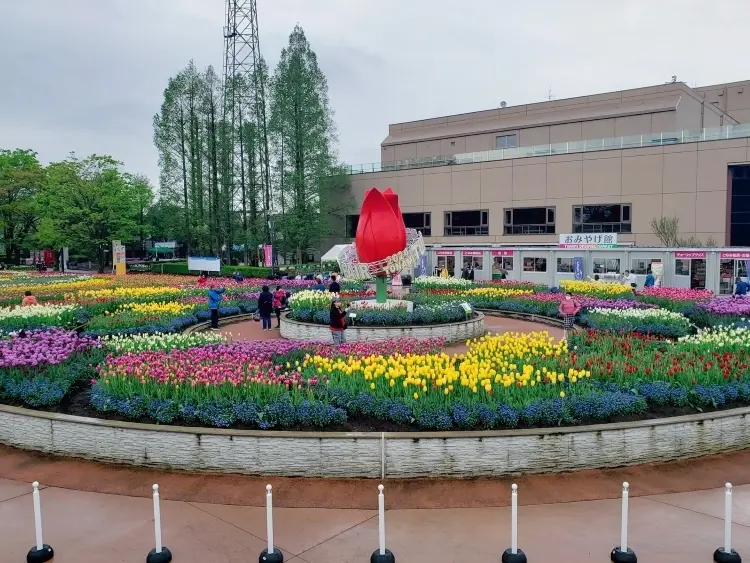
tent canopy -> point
(333, 253)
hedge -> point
(181, 268)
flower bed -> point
(645, 321)
(596, 289)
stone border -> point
(452, 332)
(375, 454)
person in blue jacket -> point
(650, 279)
(741, 288)
(214, 298)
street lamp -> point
(272, 232)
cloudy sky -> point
(88, 75)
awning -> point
(333, 253)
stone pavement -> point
(86, 527)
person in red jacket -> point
(28, 300)
(568, 309)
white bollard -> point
(513, 554)
(726, 554)
(41, 552)
(622, 553)
(382, 554)
(271, 554)
(159, 554)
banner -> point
(735, 255)
(268, 254)
(578, 267)
(505, 252)
(687, 255)
(589, 241)
(423, 265)
(204, 264)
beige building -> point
(523, 175)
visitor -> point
(630, 279)
(741, 288)
(237, 277)
(338, 322)
(279, 302)
(334, 286)
(568, 309)
(28, 300)
(265, 307)
(465, 273)
(650, 279)
(318, 284)
(471, 274)
(503, 274)
(203, 279)
(214, 298)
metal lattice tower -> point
(242, 65)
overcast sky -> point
(88, 75)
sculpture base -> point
(721, 556)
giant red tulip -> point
(380, 232)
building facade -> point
(607, 163)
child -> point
(28, 300)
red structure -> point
(381, 232)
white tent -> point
(333, 253)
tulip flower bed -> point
(505, 381)
(645, 321)
(597, 289)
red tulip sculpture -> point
(380, 233)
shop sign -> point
(690, 255)
(472, 252)
(445, 253)
(735, 255)
(506, 252)
(592, 241)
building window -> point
(419, 221)
(476, 262)
(505, 142)
(500, 263)
(606, 265)
(530, 221)
(641, 266)
(532, 264)
(460, 223)
(565, 265)
(614, 218)
(352, 221)
(682, 267)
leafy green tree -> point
(21, 177)
(85, 204)
(312, 190)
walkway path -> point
(86, 527)
(251, 330)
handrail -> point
(569, 147)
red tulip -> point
(380, 232)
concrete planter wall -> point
(454, 332)
(394, 455)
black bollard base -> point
(721, 556)
(510, 557)
(164, 556)
(40, 555)
(619, 556)
(386, 557)
(275, 557)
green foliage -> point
(21, 178)
(85, 204)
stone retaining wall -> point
(377, 455)
(453, 332)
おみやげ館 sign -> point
(593, 240)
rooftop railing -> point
(613, 143)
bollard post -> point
(622, 553)
(41, 552)
(271, 554)
(513, 554)
(160, 553)
(726, 554)
(382, 555)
